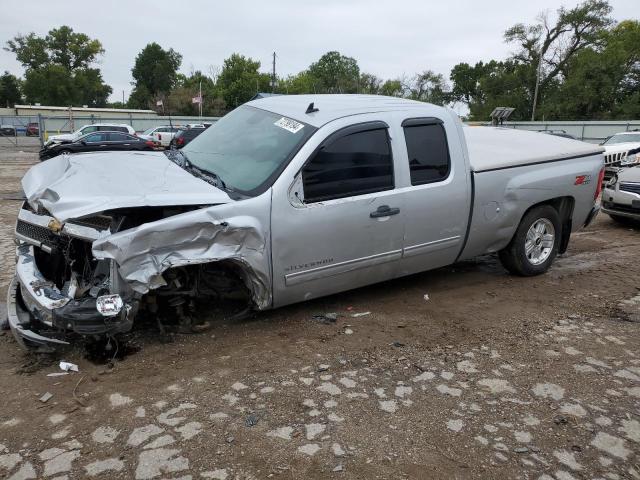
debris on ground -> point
(46, 397)
(68, 366)
(251, 420)
(325, 318)
(360, 314)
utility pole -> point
(200, 94)
(273, 74)
(123, 98)
(535, 94)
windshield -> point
(149, 131)
(247, 147)
(623, 139)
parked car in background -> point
(7, 131)
(184, 136)
(164, 135)
(621, 195)
(148, 133)
(96, 127)
(620, 151)
(97, 142)
(284, 200)
(33, 129)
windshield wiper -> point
(206, 174)
(201, 173)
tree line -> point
(575, 64)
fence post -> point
(41, 129)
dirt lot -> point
(492, 377)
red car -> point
(33, 129)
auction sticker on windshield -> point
(290, 125)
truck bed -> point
(494, 148)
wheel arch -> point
(564, 206)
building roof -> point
(331, 107)
(83, 109)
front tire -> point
(535, 243)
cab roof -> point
(331, 107)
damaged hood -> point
(73, 186)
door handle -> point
(384, 211)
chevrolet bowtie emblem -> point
(54, 225)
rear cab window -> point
(353, 161)
(427, 149)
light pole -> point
(535, 94)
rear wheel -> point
(535, 243)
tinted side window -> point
(89, 130)
(355, 164)
(428, 153)
(118, 137)
(96, 138)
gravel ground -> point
(492, 377)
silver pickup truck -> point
(287, 199)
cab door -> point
(438, 199)
(338, 224)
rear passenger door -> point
(340, 226)
(119, 141)
(95, 142)
(438, 200)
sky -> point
(387, 38)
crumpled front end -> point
(59, 285)
(92, 276)
(103, 238)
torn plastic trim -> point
(145, 252)
(19, 320)
(38, 293)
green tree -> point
(602, 82)
(552, 44)
(240, 80)
(58, 68)
(298, 84)
(466, 83)
(391, 88)
(427, 86)
(369, 84)
(10, 93)
(336, 73)
(180, 100)
(155, 73)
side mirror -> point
(83, 142)
(296, 192)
